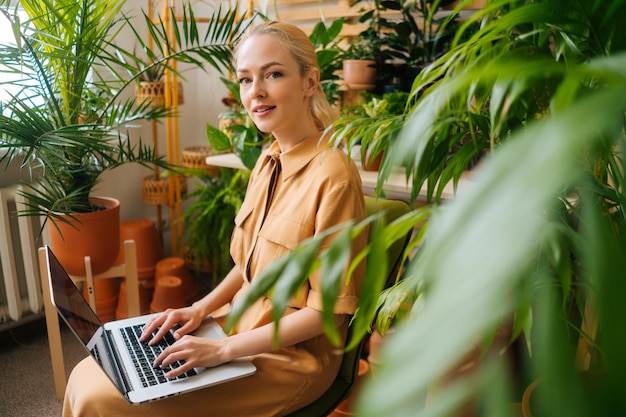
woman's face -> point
(272, 89)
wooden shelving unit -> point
(172, 151)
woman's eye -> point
(274, 74)
(244, 80)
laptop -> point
(115, 346)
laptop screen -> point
(70, 302)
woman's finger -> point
(151, 326)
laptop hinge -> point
(120, 370)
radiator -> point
(20, 286)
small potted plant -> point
(359, 61)
(372, 125)
(409, 35)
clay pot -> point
(359, 73)
(121, 312)
(106, 293)
(372, 164)
(176, 266)
(95, 234)
(168, 293)
(147, 242)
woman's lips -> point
(260, 110)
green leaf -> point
(334, 265)
(219, 140)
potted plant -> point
(208, 220)
(68, 118)
(371, 125)
(409, 35)
(538, 237)
(359, 61)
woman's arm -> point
(294, 328)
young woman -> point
(312, 188)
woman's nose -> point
(258, 88)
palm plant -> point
(68, 118)
(538, 92)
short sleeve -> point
(344, 203)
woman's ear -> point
(311, 82)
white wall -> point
(203, 92)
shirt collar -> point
(300, 155)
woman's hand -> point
(194, 352)
(188, 318)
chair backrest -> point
(348, 371)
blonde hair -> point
(301, 48)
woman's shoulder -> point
(335, 163)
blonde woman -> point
(311, 189)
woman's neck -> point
(289, 139)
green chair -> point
(347, 375)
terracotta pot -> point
(96, 234)
(359, 74)
(168, 293)
(372, 164)
(103, 288)
(121, 312)
(176, 266)
(105, 291)
(147, 242)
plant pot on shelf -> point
(359, 74)
(106, 292)
(95, 234)
(147, 242)
(154, 92)
(156, 190)
(372, 164)
(195, 157)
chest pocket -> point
(284, 231)
(279, 236)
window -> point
(7, 38)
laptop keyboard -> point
(143, 356)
